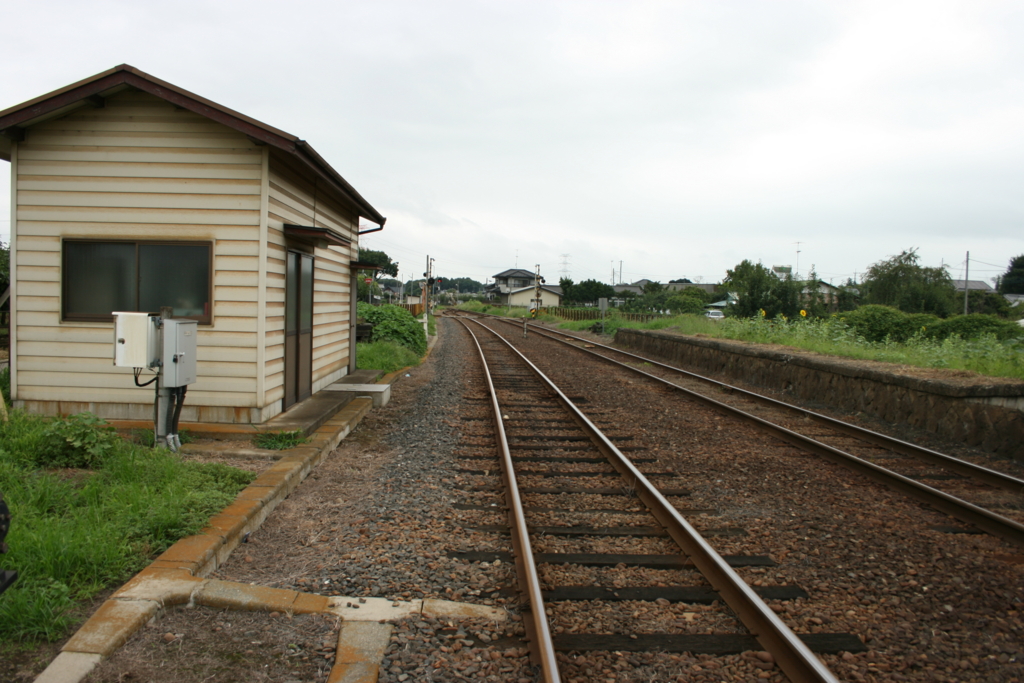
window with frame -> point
(100, 277)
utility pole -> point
(613, 273)
(967, 275)
(620, 273)
(796, 275)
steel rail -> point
(986, 520)
(968, 469)
(791, 654)
(542, 648)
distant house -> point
(710, 288)
(550, 296)
(634, 287)
(130, 194)
(828, 293)
(512, 282)
(730, 298)
(973, 286)
(506, 280)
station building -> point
(129, 194)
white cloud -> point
(677, 137)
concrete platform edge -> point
(199, 555)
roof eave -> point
(80, 92)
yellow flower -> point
(803, 312)
(762, 312)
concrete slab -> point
(309, 414)
(462, 610)
(161, 586)
(373, 609)
(380, 393)
(70, 667)
(242, 596)
(361, 647)
(362, 376)
(110, 626)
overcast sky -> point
(676, 137)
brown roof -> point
(90, 91)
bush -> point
(82, 441)
(974, 326)
(875, 323)
(395, 324)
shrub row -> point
(395, 324)
(876, 323)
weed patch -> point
(75, 532)
(386, 356)
(279, 441)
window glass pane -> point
(175, 275)
(306, 305)
(99, 278)
(291, 295)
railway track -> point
(569, 489)
(983, 498)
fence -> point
(595, 314)
(415, 309)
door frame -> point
(298, 340)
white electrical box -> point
(136, 340)
(179, 352)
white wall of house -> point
(140, 168)
(525, 297)
(137, 168)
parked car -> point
(714, 315)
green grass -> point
(75, 532)
(386, 356)
(986, 355)
(279, 441)
(431, 325)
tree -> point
(5, 266)
(463, 284)
(586, 292)
(988, 302)
(1012, 281)
(690, 300)
(379, 258)
(759, 289)
(901, 283)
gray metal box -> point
(179, 352)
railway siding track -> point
(515, 399)
(992, 489)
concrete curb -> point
(175, 576)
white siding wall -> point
(292, 202)
(139, 168)
(525, 298)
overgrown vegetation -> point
(279, 441)
(978, 343)
(386, 356)
(395, 324)
(88, 510)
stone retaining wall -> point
(987, 415)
